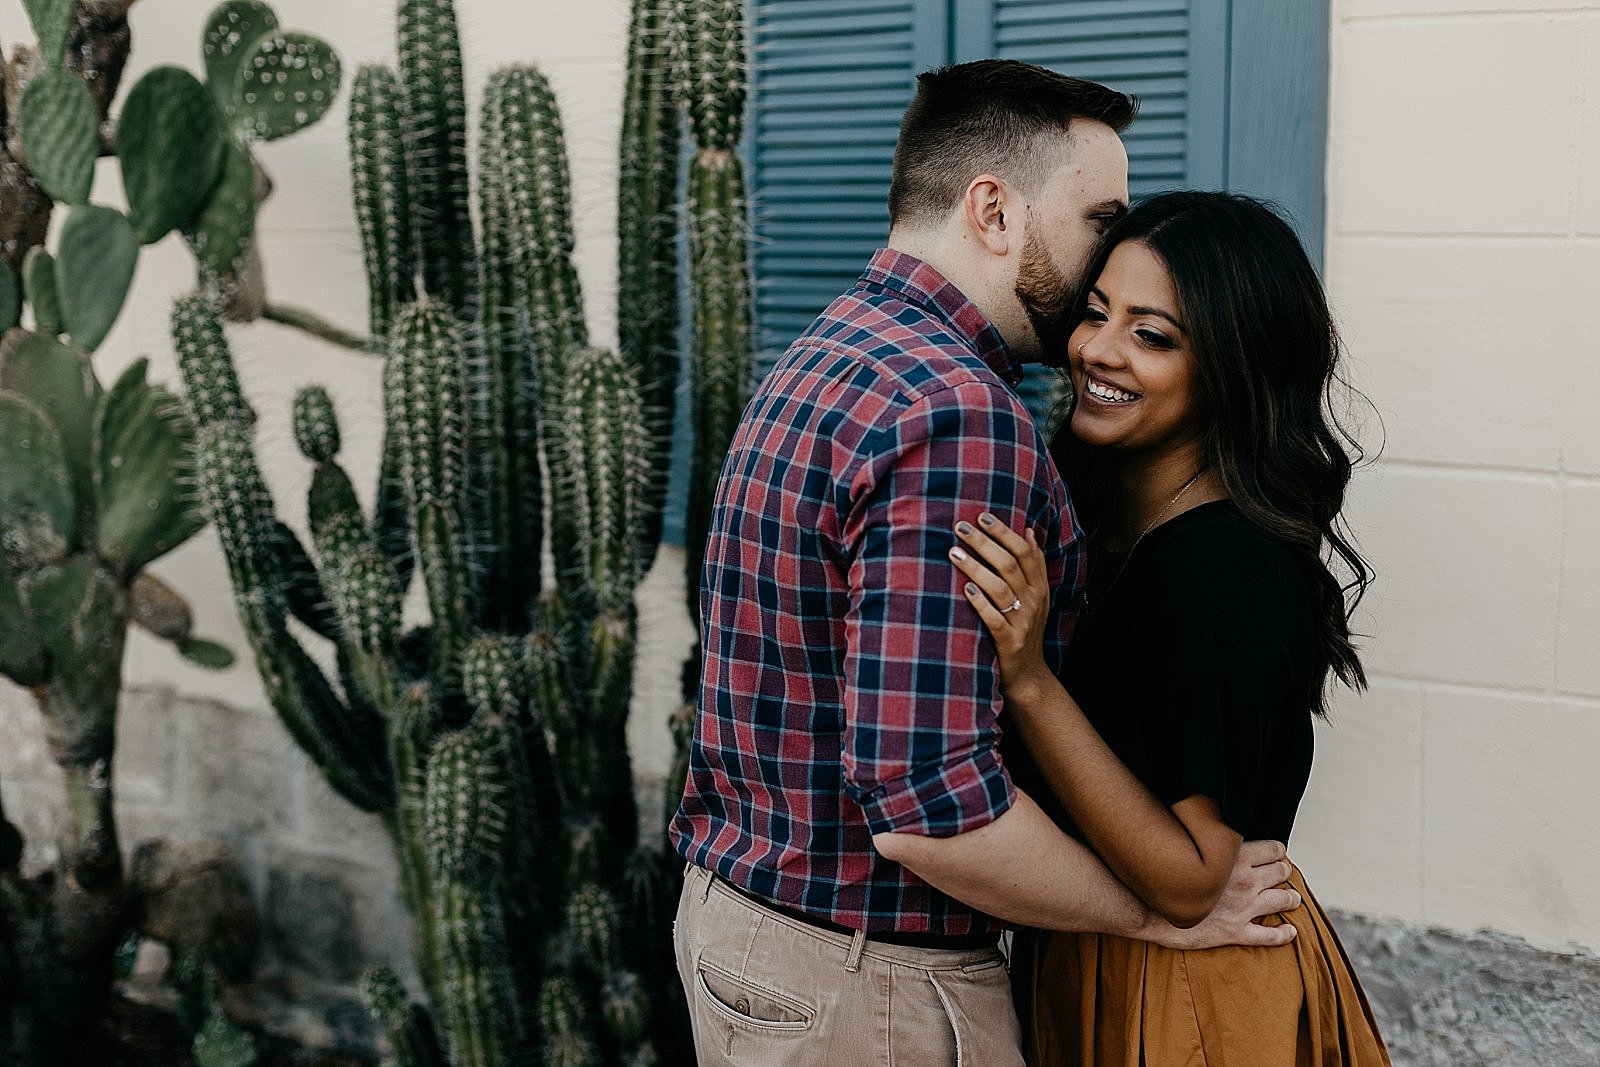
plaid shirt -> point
(848, 687)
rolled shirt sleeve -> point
(922, 686)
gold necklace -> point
(1153, 524)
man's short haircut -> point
(995, 116)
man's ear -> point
(984, 209)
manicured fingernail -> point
(964, 527)
(972, 590)
(957, 553)
(986, 518)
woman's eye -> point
(1093, 314)
(1154, 339)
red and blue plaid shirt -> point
(848, 687)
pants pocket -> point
(744, 1004)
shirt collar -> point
(925, 287)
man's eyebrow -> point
(1157, 312)
(1106, 207)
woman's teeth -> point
(1110, 395)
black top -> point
(1197, 667)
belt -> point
(906, 939)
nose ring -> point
(1081, 348)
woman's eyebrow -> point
(1158, 313)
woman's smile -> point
(1098, 389)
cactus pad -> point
(170, 143)
(52, 22)
(94, 269)
(39, 286)
(58, 380)
(60, 131)
(202, 653)
(284, 83)
(144, 478)
(78, 606)
(231, 29)
(37, 511)
(22, 656)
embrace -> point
(960, 680)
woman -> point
(1210, 480)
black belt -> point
(959, 942)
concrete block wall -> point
(1464, 262)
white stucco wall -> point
(1464, 262)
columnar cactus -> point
(493, 738)
(712, 65)
(647, 259)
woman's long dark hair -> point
(1267, 355)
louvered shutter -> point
(830, 81)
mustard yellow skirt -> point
(1095, 1000)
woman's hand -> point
(1009, 586)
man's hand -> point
(1253, 891)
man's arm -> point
(1021, 868)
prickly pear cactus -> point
(91, 492)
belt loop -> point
(705, 893)
(858, 945)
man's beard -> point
(1046, 295)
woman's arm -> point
(1178, 859)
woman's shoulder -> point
(1213, 552)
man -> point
(855, 840)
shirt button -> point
(742, 1006)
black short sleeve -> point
(1197, 669)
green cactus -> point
(60, 132)
(39, 286)
(407, 1024)
(382, 205)
(94, 270)
(647, 261)
(52, 20)
(90, 492)
(498, 749)
(433, 113)
(229, 36)
(722, 352)
(97, 484)
(144, 447)
(170, 144)
(283, 83)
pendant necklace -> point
(1153, 524)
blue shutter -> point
(830, 81)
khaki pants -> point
(766, 990)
